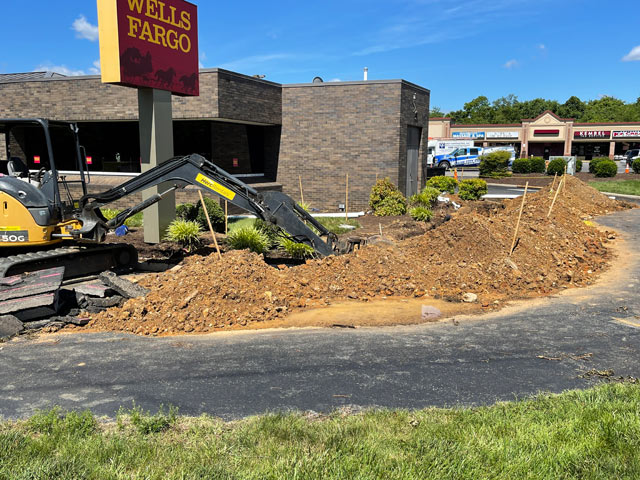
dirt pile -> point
(467, 254)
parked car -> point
(632, 155)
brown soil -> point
(542, 180)
(467, 254)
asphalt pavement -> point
(544, 345)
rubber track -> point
(78, 260)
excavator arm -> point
(274, 207)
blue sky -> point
(457, 49)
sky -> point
(458, 49)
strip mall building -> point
(545, 136)
(272, 136)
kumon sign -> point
(149, 43)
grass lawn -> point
(592, 434)
(625, 187)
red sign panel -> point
(150, 43)
(546, 132)
(626, 134)
(592, 134)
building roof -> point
(19, 77)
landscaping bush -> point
(636, 165)
(421, 214)
(537, 165)
(295, 249)
(184, 232)
(494, 163)
(443, 184)
(606, 168)
(133, 221)
(521, 165)
(216, 214)
(385, 199)
(426, 198)
(594, 163)
(249, 238)
(472, 189)
(392, 205)
(578, 166)
(556, 166)
(271, 230)
(186, 211)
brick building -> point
(268, 134)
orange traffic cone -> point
(626, 170)
(455, 173)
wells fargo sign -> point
(149, 43)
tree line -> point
(511, 110)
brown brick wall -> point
(329, 130)
(87, 99)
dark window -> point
(474, 151)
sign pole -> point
(156, 147)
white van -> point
(443, 147)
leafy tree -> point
(436, 112)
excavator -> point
(43, 225)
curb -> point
(622, 195)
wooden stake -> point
(380, 225)
(555, 176)
(206, 214)
(515, 234)
(555, 196)
(461, 174)
(346, 202)
(301, 194)
(226, 217)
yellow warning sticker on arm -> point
(216, 187)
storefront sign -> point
(592, 134)
(475, 135)
(626, 134)
(546, 132)
(149, 43)
(502, 135)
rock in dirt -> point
(10, 326)
(92, 289)
(469, 297)
(123, 286)
(430, 313)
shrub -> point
(392, 205)
(443, 184)
(216, 214)
(556, 166)
(187, 211)
(249, 238)
(606, 168)
(472, 189)
(494, 162)
(636, 165)
(305, 206)
(537, 165)
(594, 163)
(385, 199)
(184, 232)
(521, 165)
(145, 423)
(427, 198)
(578, 166)
(295, 249)
(271, 230)
(421, 214)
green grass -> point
(624, 187)
(592, 434)
(133, 221)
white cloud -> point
(542, 46)
(84, 29)
(95, 70)
(254, 61)
(633, 55)
(513, 63)
(61, 69)
(335, 80)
